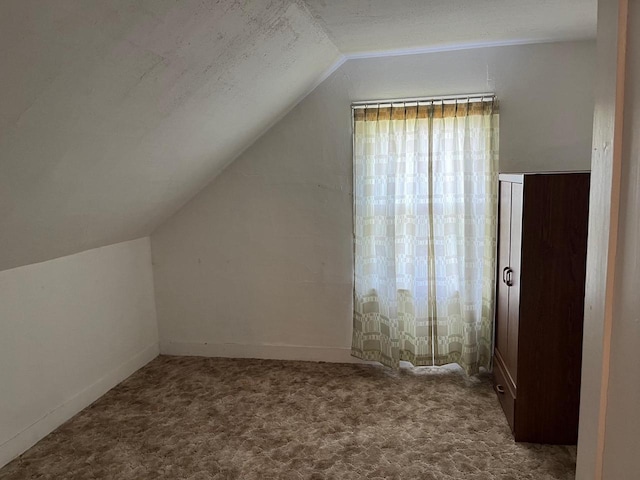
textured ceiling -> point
(371, 26)
(114, 113)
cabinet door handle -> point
(500, 389)
(507, 278)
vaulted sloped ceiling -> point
(113, 113)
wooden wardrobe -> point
(542, 246)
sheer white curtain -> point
(425, 207)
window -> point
(425, 205)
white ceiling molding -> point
(440, 49)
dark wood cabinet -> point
(542, 246)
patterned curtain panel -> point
(425, 208)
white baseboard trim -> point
(263, 351)
(35, 432)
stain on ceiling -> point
(115, 113)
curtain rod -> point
(443, 98)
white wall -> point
(71, 329)
(259, 263)
(621, 459)
(602, 230)
(609, 436)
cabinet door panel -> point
(511, 359)
(504, 239)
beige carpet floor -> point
(203, 418)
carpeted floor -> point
(204, 418)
